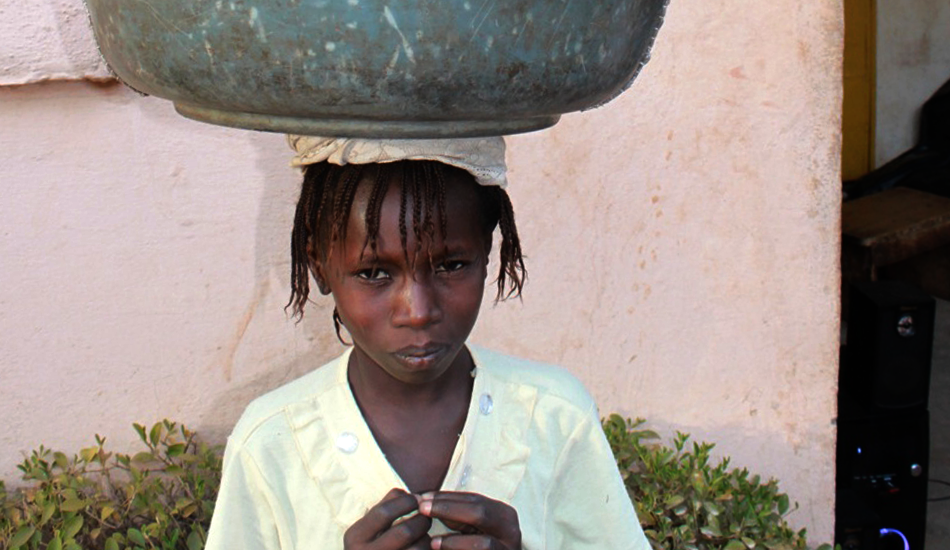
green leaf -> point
(111, 544)
(60, 460)
(140, 429)
(106, 511)
(22, 536)
(73, 505)
(176, 450)
(713, 508)
(136, 536)
(72, 526)
(48, 510)
(156, 434)
(673, 501)
(89, 453)
(734, 545)
(72, 545)
(55, 544)
(783, 504)
(144, 456)
(194, 541)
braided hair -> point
(326, 199)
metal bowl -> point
(378, 68)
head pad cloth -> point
(484, 158)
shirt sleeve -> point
(244, 517)
(587, 505)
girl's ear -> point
(316, 269)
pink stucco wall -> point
(682, 243)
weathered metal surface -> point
(375, 67)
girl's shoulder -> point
(551, 382)
(268, 410)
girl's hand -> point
(482, 523)
(379, 530)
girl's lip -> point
(420, 351)
(420, 356)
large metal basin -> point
(396, 68)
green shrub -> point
(162, 498)
(684, 502)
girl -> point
(414, 438)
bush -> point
(162, 498)
(684, 502)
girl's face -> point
(410, 316)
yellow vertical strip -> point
(860, 28)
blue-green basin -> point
(397, 68)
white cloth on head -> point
(484, 158)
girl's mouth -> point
(420, 356)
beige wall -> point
(913, 60)
(682, 243)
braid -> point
(403, 197)
(512, 271)
(440, 197)
(349, 181)
(417, 198)
(374, 208)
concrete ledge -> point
(48, 40)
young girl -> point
(414, 438)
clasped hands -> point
(478, 522)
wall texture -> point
(45, 40)
(682, 242)
(913, 60)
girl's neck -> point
(371, 385)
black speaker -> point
(881, 472)
(889, 348)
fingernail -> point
(425, 508)
(436, 543)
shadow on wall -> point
(300, 347)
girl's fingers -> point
(474, 514)
(467, 542)
(405, 534)
(379, 518)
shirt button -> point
(347, 442)
(466, 473)
(485, 404)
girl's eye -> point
(450, 266)
(372, 274)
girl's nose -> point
(417, 305)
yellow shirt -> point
(301, 465)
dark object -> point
(886, 364)
(926, 166)
(883, 423)
(882, 470)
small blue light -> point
(859, 450)
(898, 533)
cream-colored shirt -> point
(301, 465)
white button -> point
(485, 404)
(466, 473)
(347, 442)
